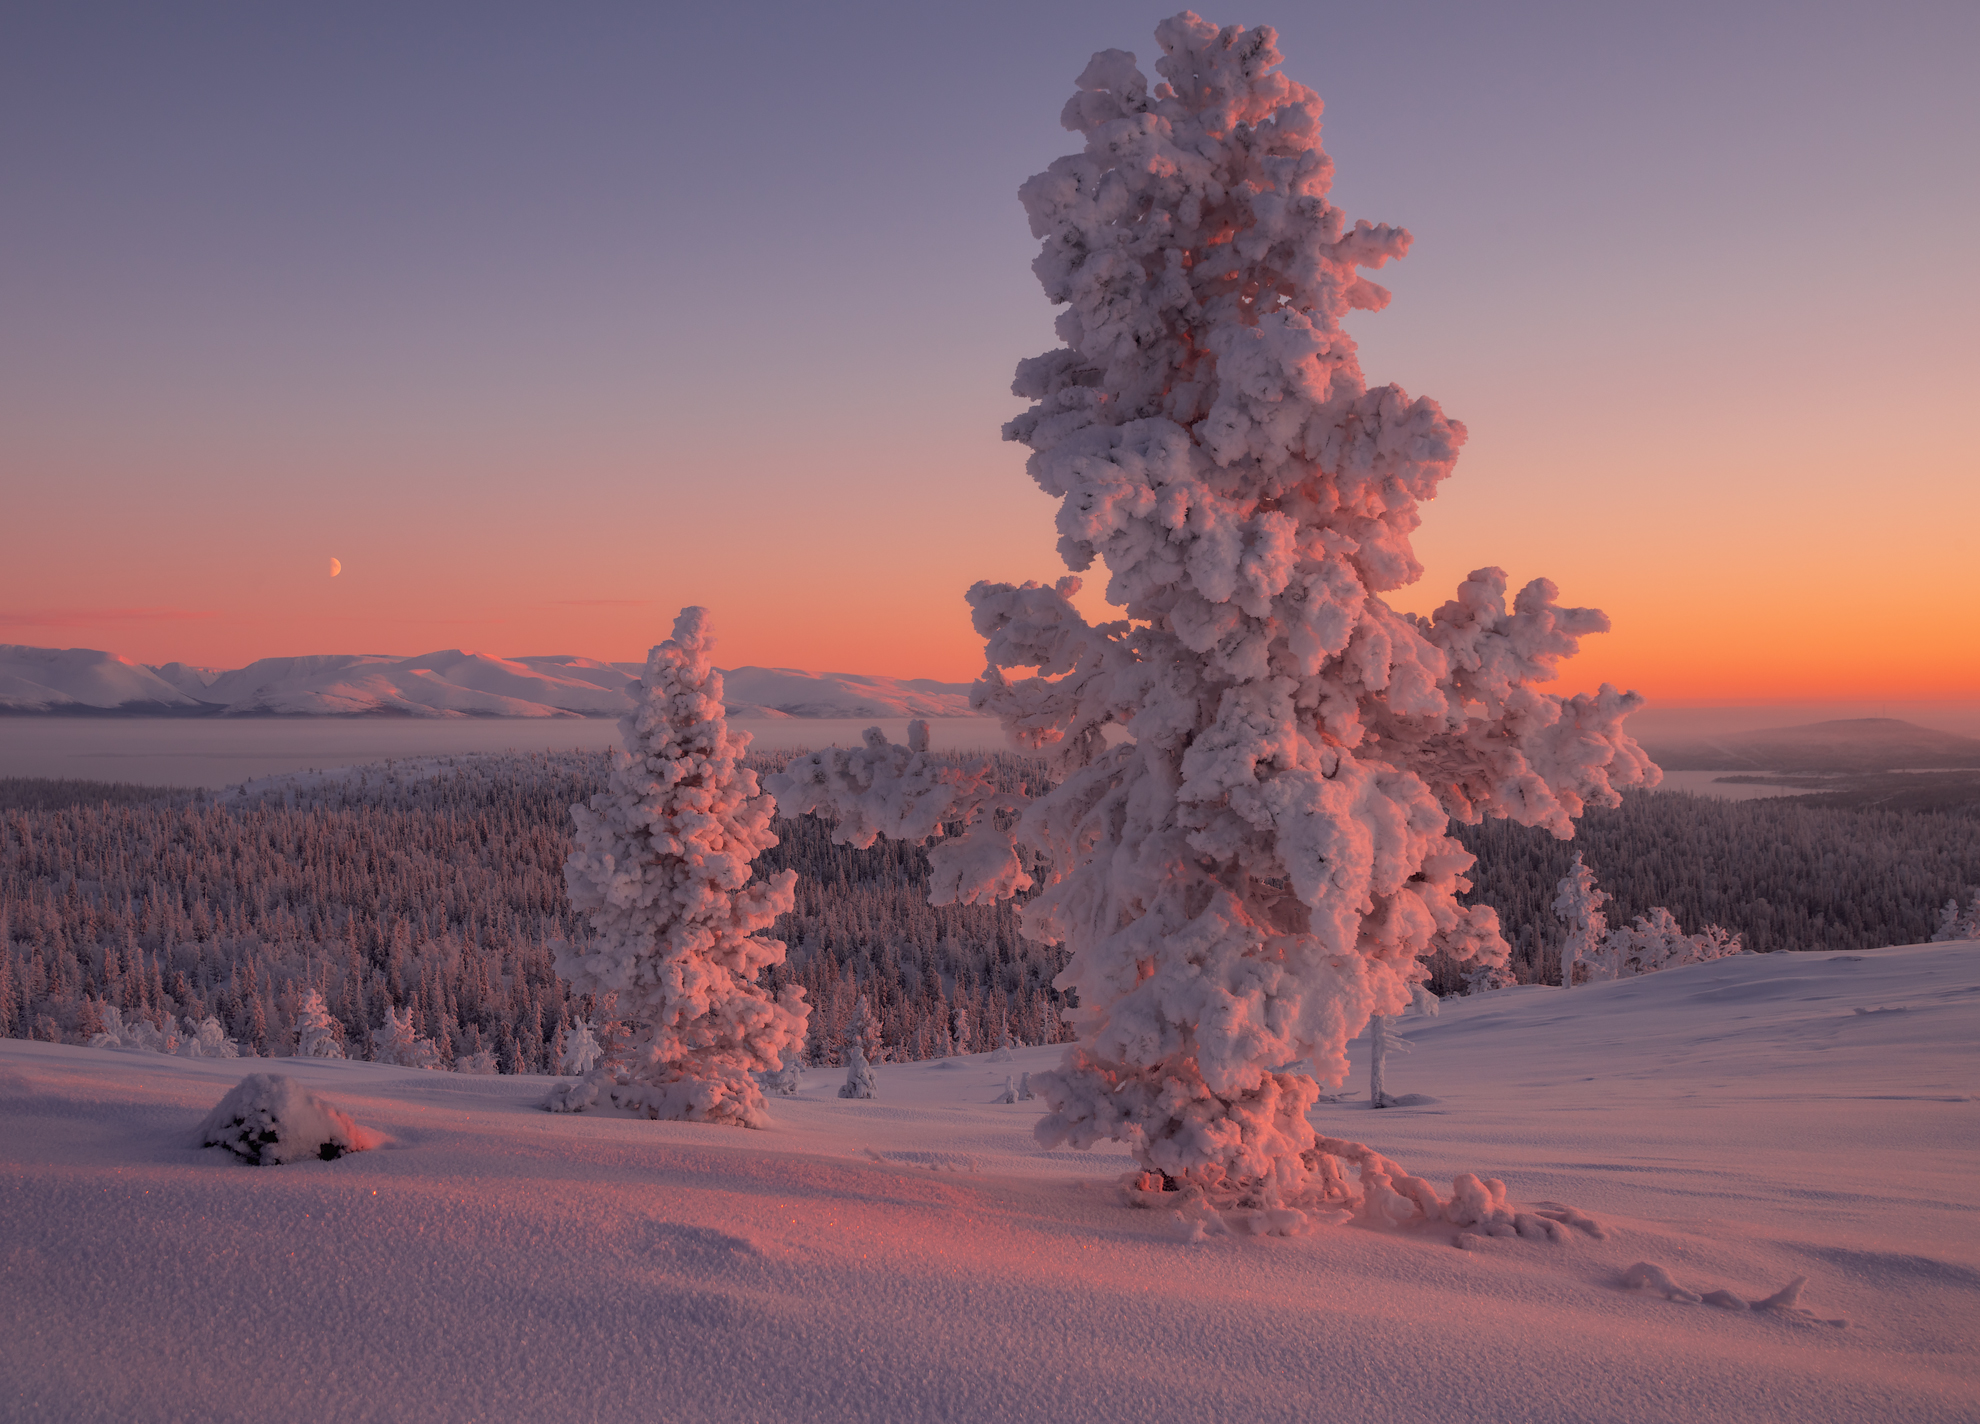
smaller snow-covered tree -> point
(661, 866)
(859, 1073)
(863, 1029)
(964, 1034)
(1656, 942)
(789, 1078)
(578, 1049)
(1579, 904)
(317, 1033)
(480, 1064)
(112, 1031)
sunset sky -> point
(548, 320)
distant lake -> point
(217, 752)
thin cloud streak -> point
(90, 617)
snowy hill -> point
(81, 680)
(1858, 744)
(450, 683)
(1736, 1124)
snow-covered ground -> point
(916, 1257)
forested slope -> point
(443, 890)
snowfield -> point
(1734, 1124)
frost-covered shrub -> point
(206, 1039)
(1958, 924)
(480, 1063)
(1263, 860)
(788, 1079)
(395, 1042)
(859, 1074)
(268, 1119)
(661, 865)
(1487, 977)
(1595, 953)
(317, 1033)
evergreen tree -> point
(1264, 860)
(660, 864)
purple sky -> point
(547, 320)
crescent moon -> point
(335, 568)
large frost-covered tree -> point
(1247, 851)
(661, 864)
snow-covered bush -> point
(1579, 904)
(1656, 942)
(1594, 953)
(317, 1034)
(395, 1042)
(859, 1074)
(481, 1064)
(1247, 849)
(1957, 924)
(661, 865)
(206, 1039)
(268, 1119)
(787, 1080)
(1487, 977)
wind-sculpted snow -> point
(1248, 851)
(917, 1256)
(661, 865)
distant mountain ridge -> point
(1857, 744)
(450, 683)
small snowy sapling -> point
(318, 1035)
(859, 1074)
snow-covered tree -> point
(661, 865)
(863, 1028)
(859, 1073)
(578, 1050)
(1247, 849)
(395, 1041)
(1578, 904)
(315, 1029)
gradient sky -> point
(546, 320)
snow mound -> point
(268, 1119)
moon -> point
(335, 568)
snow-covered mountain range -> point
(452, 683)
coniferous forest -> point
(439, 889)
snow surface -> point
(1732, 1125)
(450, 683)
